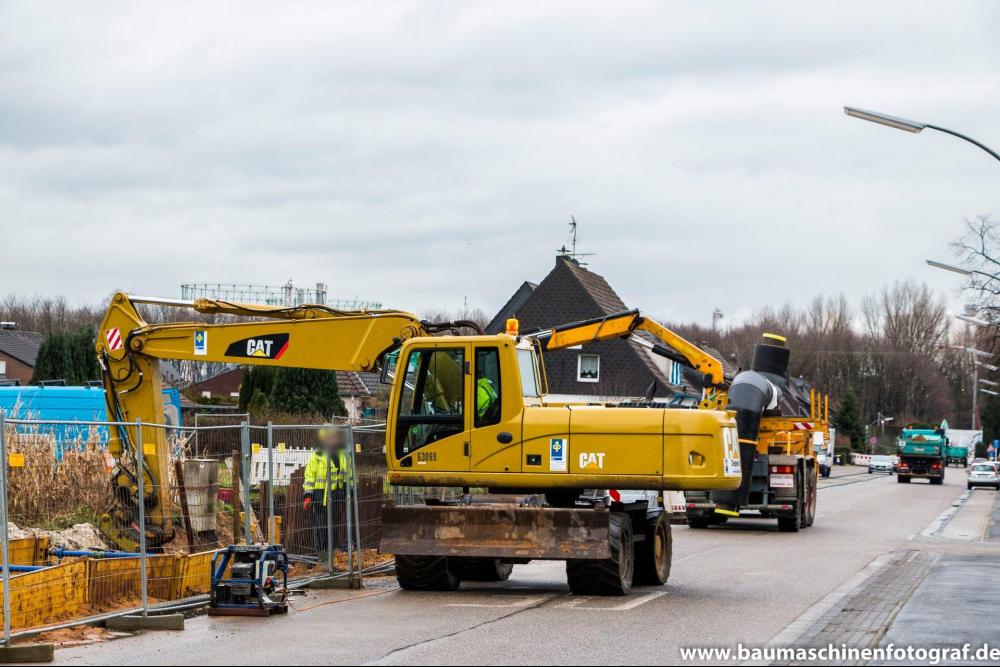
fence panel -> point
(72, 549)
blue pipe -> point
(70, 553)
(26, 568)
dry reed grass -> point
(51, 494)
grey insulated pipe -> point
(751, 394)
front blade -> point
(495, 531)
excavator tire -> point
(481, 569)
(653, 555)
(612, 576)
(425, 573)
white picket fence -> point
(285, 463)
(865, 459)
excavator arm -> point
(129, 350)
(625, 325)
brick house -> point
(18, 353)
(224, 386)
(607, 370)
(359, 391)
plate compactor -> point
(245, 581)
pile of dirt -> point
(77, 636)
(79, 536)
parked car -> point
(881, 464)
(984, 474)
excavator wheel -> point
(481, 569)
(612, 576)
(425, 573)
(653, 555)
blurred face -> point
(332, 440)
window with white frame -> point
(588, 368)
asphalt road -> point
(742, 583)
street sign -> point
(873, 441)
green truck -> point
(957, 455)
(922, 455)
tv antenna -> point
(571, 251)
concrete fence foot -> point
(26, 653)
(351, 583)
(138, 622)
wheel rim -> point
(661, 552)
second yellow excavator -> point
(533, 459)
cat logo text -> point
(259, 347)
(591, 460)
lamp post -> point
(912, 126)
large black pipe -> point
(752, 393)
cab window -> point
(431, 404)
(487, 386)
(529, 382)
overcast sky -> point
(421, 154)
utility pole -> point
(975, 389)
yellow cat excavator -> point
(465, 411)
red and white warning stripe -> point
(114, 336)
(804, 426)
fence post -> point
(272, 524)
(4, 537)
(328, 501)
(140, 458)
(352, 507)
(245, 474)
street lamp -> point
(911, 126)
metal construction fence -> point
(71, 547)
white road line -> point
(509, 604)
(700, 553)
(632, 603)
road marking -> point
(700, 553)
(580, 600)
(516, 603)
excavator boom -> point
(623, 325)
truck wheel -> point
(809, 516)
(902, 480)
(481, 569)
(425, 573)
(791, 524)
(937, 481)
(612, 576)
(718, 519)
(697, 522)
(652, 556)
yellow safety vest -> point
(315, 475)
